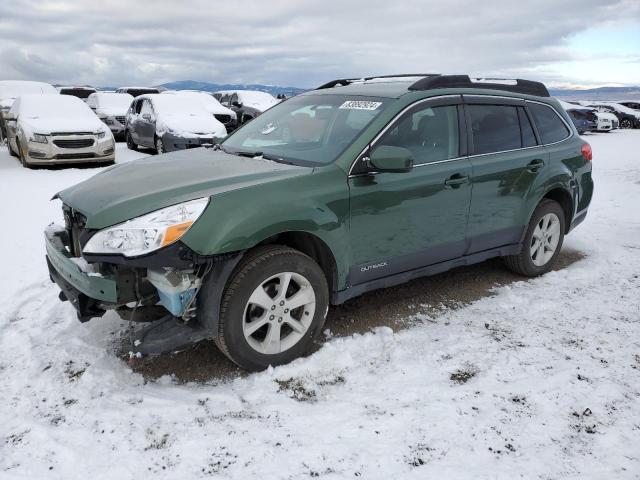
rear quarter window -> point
(550, 127)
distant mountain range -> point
(214, 87)
(602, 93)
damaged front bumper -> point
(86, 291)
(173, 142)
(162, 289)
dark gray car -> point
(170, 122)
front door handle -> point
(535, 165)
(456, 180)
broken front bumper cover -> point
(83, 290)
(92, 294)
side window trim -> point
(523, 116)
(439, 101)
(507, 101)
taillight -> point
(587, 153)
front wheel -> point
(626, 123)
(159, 146)
(542, 242)
(274, 306)
(11, 152)
(131, 145)
(23, 159)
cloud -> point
(290, 42)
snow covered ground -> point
(540, 380)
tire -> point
(626, 123)
(532, 261)
(256, 280)
(131, 145)
(159, 146)
(11, 152)
(23, 160)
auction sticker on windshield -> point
(360, 105)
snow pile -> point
(541, 380)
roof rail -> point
(431, 81)
(346, 81)
(527, 87)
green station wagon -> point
(358, 185)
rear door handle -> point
(535, 165)
(456, 180)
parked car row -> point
(589, 116)
(627, 117)
(74, 122)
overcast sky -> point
(302, 43)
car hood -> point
(63, 124)
(185, 125)
(132, 189)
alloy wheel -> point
(626, 123)
(159, 146)
(278, 313)
(544, 241)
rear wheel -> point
(272, 309)
(131, 145)
(626, 123)
(542, 242)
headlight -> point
(100, 134)
(108, 121)
(39, 138)
(149, 232)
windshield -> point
(77, 92)
(119, 101)
(308, 129)
(136, 92)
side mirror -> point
(390, 159)
(146, 116)
(237, 104)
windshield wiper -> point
(266, 156)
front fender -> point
(241, 219)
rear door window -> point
(550, 127)
(496, 128)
